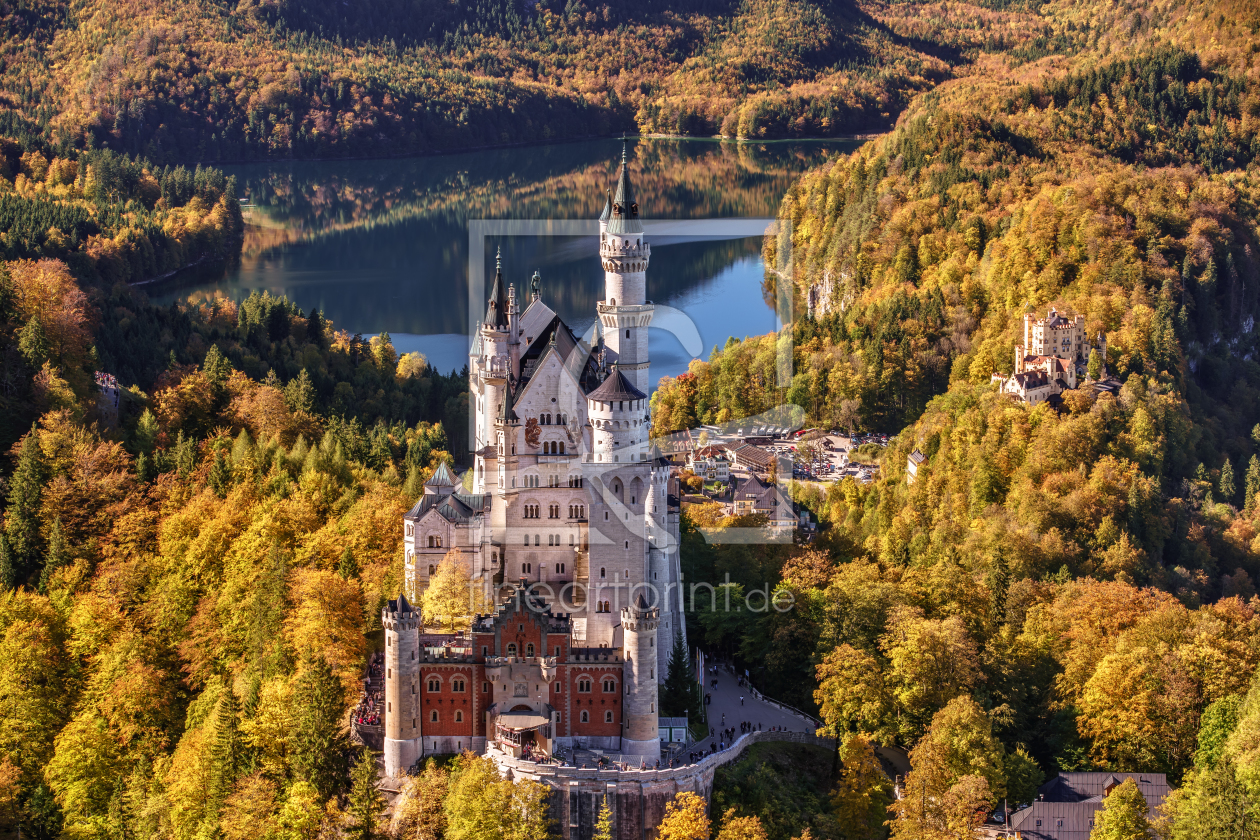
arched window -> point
(608, 606)
(537, 540)
(584, 685)
(432, 570)
(586, 716)
(459, 716)
(529, 649)
(511, 649)
(527, 539)
(457, 685)
(601, 572)
(608, 718)
(610, 685)
(433, 716)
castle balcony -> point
(611, 248)
(558, 459)
(510, 668)
(596, 654)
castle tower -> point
(640, 735)
(402, 686)
(625, 312)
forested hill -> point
(1060, 578)
(194, 80)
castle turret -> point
(640, 735)
(402, 685)
(625, 311)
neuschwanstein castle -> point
(570, 531)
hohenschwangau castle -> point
(569, 530)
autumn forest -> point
(191, 574)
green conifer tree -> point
(225, 750)
(58, 555)
(299, 394)
(1094, 368)
(348, 568)
(145, 437)
(999, 582)
(679, 690)
(1252, 481)
(21, 519)
(33, 343)
(8, 577)
(216, 366)
(185, 455)
(414, 485)
(318, 746)
(1226, 485)
(220, 475)
(366, 802)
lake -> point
(383, 245)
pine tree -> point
(999, 583)
(348, 568)
(1252, 481)
(21, 522)
(7, 576)
(220, 475)
(216, 366)
(33, 343)
(185, 455)
(318, 744)
(225, 751)
(679, 691)
(414, 485)
(1094, 368)
(145, 469)
(146, 433)
(299, 394)
(366, 801)
(315, 328)
(58, 555)
(1227, 482)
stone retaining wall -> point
(637, 797)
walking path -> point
(755, 710)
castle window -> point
(608, 717)
(527, 539)
(433, 716)
(537, 540)
(601, 572)
(556, 686)
(511, 649)
(432, 569)
(457, 685)
(459, 716)
(607, 606)
(584, 685)
(435, 685)
(485, 686)
(610, 685)
(529, 649)
(586, 716)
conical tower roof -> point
(497, 309)
(603, 217)
(625, 210)
(507, 414)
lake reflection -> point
(382, 245)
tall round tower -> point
(402, 686)
(640, 735)
(625, 311)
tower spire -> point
(497, 309)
